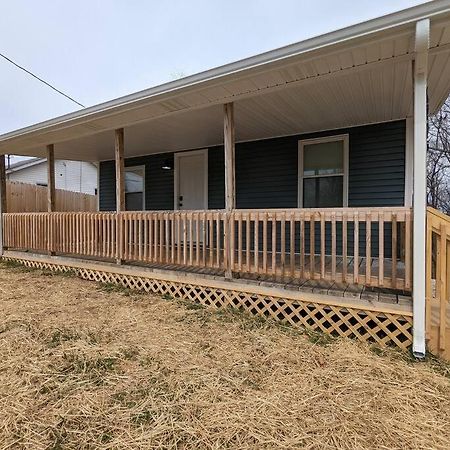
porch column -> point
(120, 189)
(2, 198)
(420, 184)
(120, 169)
(51, 192)
(230, 188)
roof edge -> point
(385, 22)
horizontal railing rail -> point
(349, 245)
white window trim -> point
(142, 166)
(301, 144)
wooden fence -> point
(361, 246)
(438, 281)
(23, 197)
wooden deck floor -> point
(316, 286)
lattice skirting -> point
(382, 328)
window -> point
(323, 172)
(134, 188)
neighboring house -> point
(289, 185)
(75, 176)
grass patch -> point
(83, 368)
(118, 288)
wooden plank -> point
(283, 243)
(3, 205)
(274, 246)
(120, 169)
(428, 281)
(394, 250)
(344, 248)
(239, 222)
(23, 197)
(264, 255)
(256, 243)
(381, 249)
(333, 246)
(408, 244)
(51, 194)
(229, 148)
(356, 248)
(443, 277)
(230, 184)
(368, 248)
(292, 244)
(302, 247)
(247, 244)
(3, 190)
(322, 246)
(312, 247)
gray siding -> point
(158, 182)
(266, 171)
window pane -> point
(134, 179)
(323, 192)
(324, 158)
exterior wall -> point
(267, 171)
(76, 176)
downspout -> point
(419, 201)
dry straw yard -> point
(93, 366)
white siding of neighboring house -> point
(77, 176)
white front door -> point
(191, 180)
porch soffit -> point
(360, 81)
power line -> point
(41, 80)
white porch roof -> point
(357, 75)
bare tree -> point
(438, 159)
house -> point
(289, 184)
(75, 176)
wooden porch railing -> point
(362, 246)
(438, 280)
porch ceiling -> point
(358, 75)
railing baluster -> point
(283, 243)
(302, 245)
(333, 246)
(191, 239)
(218, 233)
(292, 244)
(264, 255)
(381, 249)
(240, 242)
(408, 243)
(322, 246)
(247, 243)
(368, 248)
(394, 251)
(274, 244)
(312, 246)
(356, 248)
(256, 242)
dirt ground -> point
(84, 365)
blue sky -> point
(97, 50)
